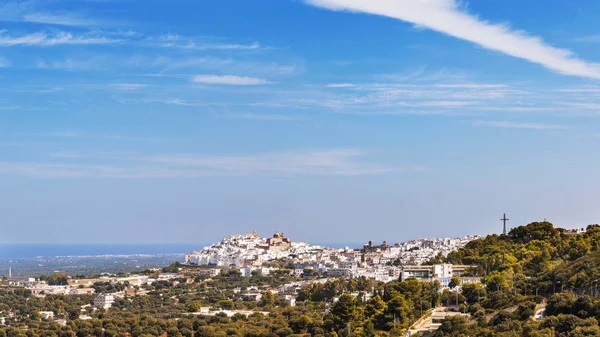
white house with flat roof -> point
(104, 301)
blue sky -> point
(329, 120)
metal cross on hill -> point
(504, 220)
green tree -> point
(496, 282)
(398, 312)
(226, 304)
(454, 282)
(58, 279)
(267, 298)
(194, 307)
(342, 313)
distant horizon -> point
(288, 236)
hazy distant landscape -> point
(88, 259)
(85, 265)
(91, 259)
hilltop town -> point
(276, 266)
(385, 262)
(245, 283)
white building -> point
(134, 280)
(104, 301)
(291, 300)
(81, 291)
(436, 271)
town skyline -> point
(504, 230)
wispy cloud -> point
(518, 125)
(169, 101)
(471, 86)
(588, 39)
(331, 162)
(59, 134)
(512, 108)
(225, 65)
(583, 105)
(66, 64)
(87, 135)
(43, 90)
(35, 11)
(63, 19)
(128, 86)
(581, 90)
(229, 80)
(446, 104)
(57, 170)
(324, 162)
(340, 85)
(46, 39)
(266, 117)
(65, 154)
(425, 74)
(203, 43)
(447, 16)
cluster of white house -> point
(250, 250)
(250, 253)
(84, 286)
(442, 273)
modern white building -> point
(104, 301)
(81, 291)
(432, 272)
(135, 280)
(291, 300)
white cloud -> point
(332, 162)
(128, 86)
(65, 154)
(205, 43)
(581, 90)
(169, 101)
(516, 108)
(66, 64)
(340, 85)
(266, 117)
(33, 11)
(582, 105)
(64, 19)
(445, 104)
(59, 134)
(224, 65)
(229, 80)
(41, 90)
(518, 125)
(471, 86)
(588, 39)
(60, 38)
(324, 162)
(447, 17)
(57, 170)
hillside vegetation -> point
(532, 266)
